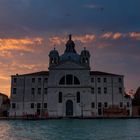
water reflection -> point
(70, 129)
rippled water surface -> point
(114, 129)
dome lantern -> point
(70, 45)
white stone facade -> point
(69, 89)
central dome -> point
(70, 52)
(70, 56)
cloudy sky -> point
(110, 29)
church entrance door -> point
(69, 108)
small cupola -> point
(54, 57)
(85, 56)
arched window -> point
(62, 81)
(69, 80)
(76, 81)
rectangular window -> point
(99, 80)
(13, 105)
(121, 104)
(39, 90)
(128, 105)
(92, 80)
(105, 90)
(32, 105)
(105, 80)
(120, 80)
(120, 90)
(78, 97)
(15, 80)
(33, 80)
(69, 79)
(99, 104)
(60, 97)
(45, 90)
(92, 105)
(14, 90)
(105, 104)
(33, 91)
(99, 111)
(99, 90)
(39, 80)
(46, 80)
(92, 90)
(45, 105)
(38, 105)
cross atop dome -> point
(70, 36)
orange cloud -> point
(5, 89)
(107, 35)
(85, 38)
(57, 40)
(15, 65)
(117, 36)
(134, 35)
(19, 44)
(2, 77)
(6, 54)
(4, 83)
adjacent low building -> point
(4, 105)
(69, 89)
(136, 104)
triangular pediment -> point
(70, 65)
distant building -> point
(136, 104)
(69, 89)
(4, 105)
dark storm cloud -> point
(65, 15)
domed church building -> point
(69, 89)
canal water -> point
(71, 129)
